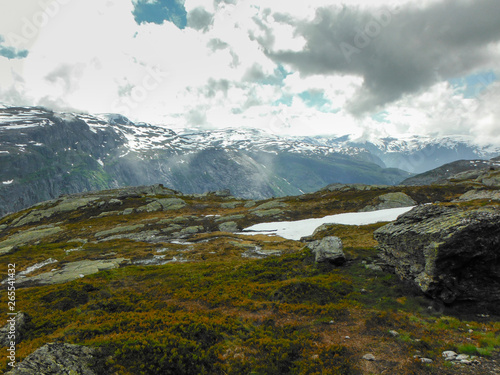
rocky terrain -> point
(148, 280)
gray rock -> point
(268, 213)
(142, 236)
(229, 205)
(150, 207)
(25, 237)
(394, 333)
(121, 229)
(391, 200)
(60, 206)
(172, 203)
(128, 211)
(450, 253)
(21, 319)
(229, 226)
(462, 357)
(373, 267)
(57, 359)
(480, 194)
(369, 357)
(449, 355)
(3, 226)
(250, 204)
(70, 271)
(229, 218)
(225, 193)
(108, 213)
(192, 230)
(328, 249)
(269, 205)
(426, 360)
(6, 249)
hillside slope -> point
(147, 280)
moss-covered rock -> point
(449, 252)
(25, 237)
(57, 359)
(390, 200)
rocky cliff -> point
(450, 252)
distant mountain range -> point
(44, 154)
(415, 154)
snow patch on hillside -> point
(295, 230)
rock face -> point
(57, 359)
(390, 200)
(71, 271)
(450, 252)
(328, 249)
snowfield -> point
(295, 230)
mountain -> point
(458, 171)
(415, 154)
(44, 154)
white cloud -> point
(92, 56)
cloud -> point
(280, 66)
(397, 52)
(199, 19)
(11, 52)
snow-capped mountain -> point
(44, 154)
(415, 154)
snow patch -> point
(8, 182)
(37, 266)
(295, 230)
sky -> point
(319, 67)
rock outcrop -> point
(57, 359)
(328, 249)
(450, 252)
(70, 271)
(390, 200)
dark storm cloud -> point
(396, 51)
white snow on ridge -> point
(8, 182)
(295, 230)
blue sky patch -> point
(315, 99)
(11, 52)
(474, 84)
(381, 117)
(285, 99)
(159, 11)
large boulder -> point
(452, 253)
(390, 200)
(57, 359)
(328, 249)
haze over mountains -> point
(44, 154)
